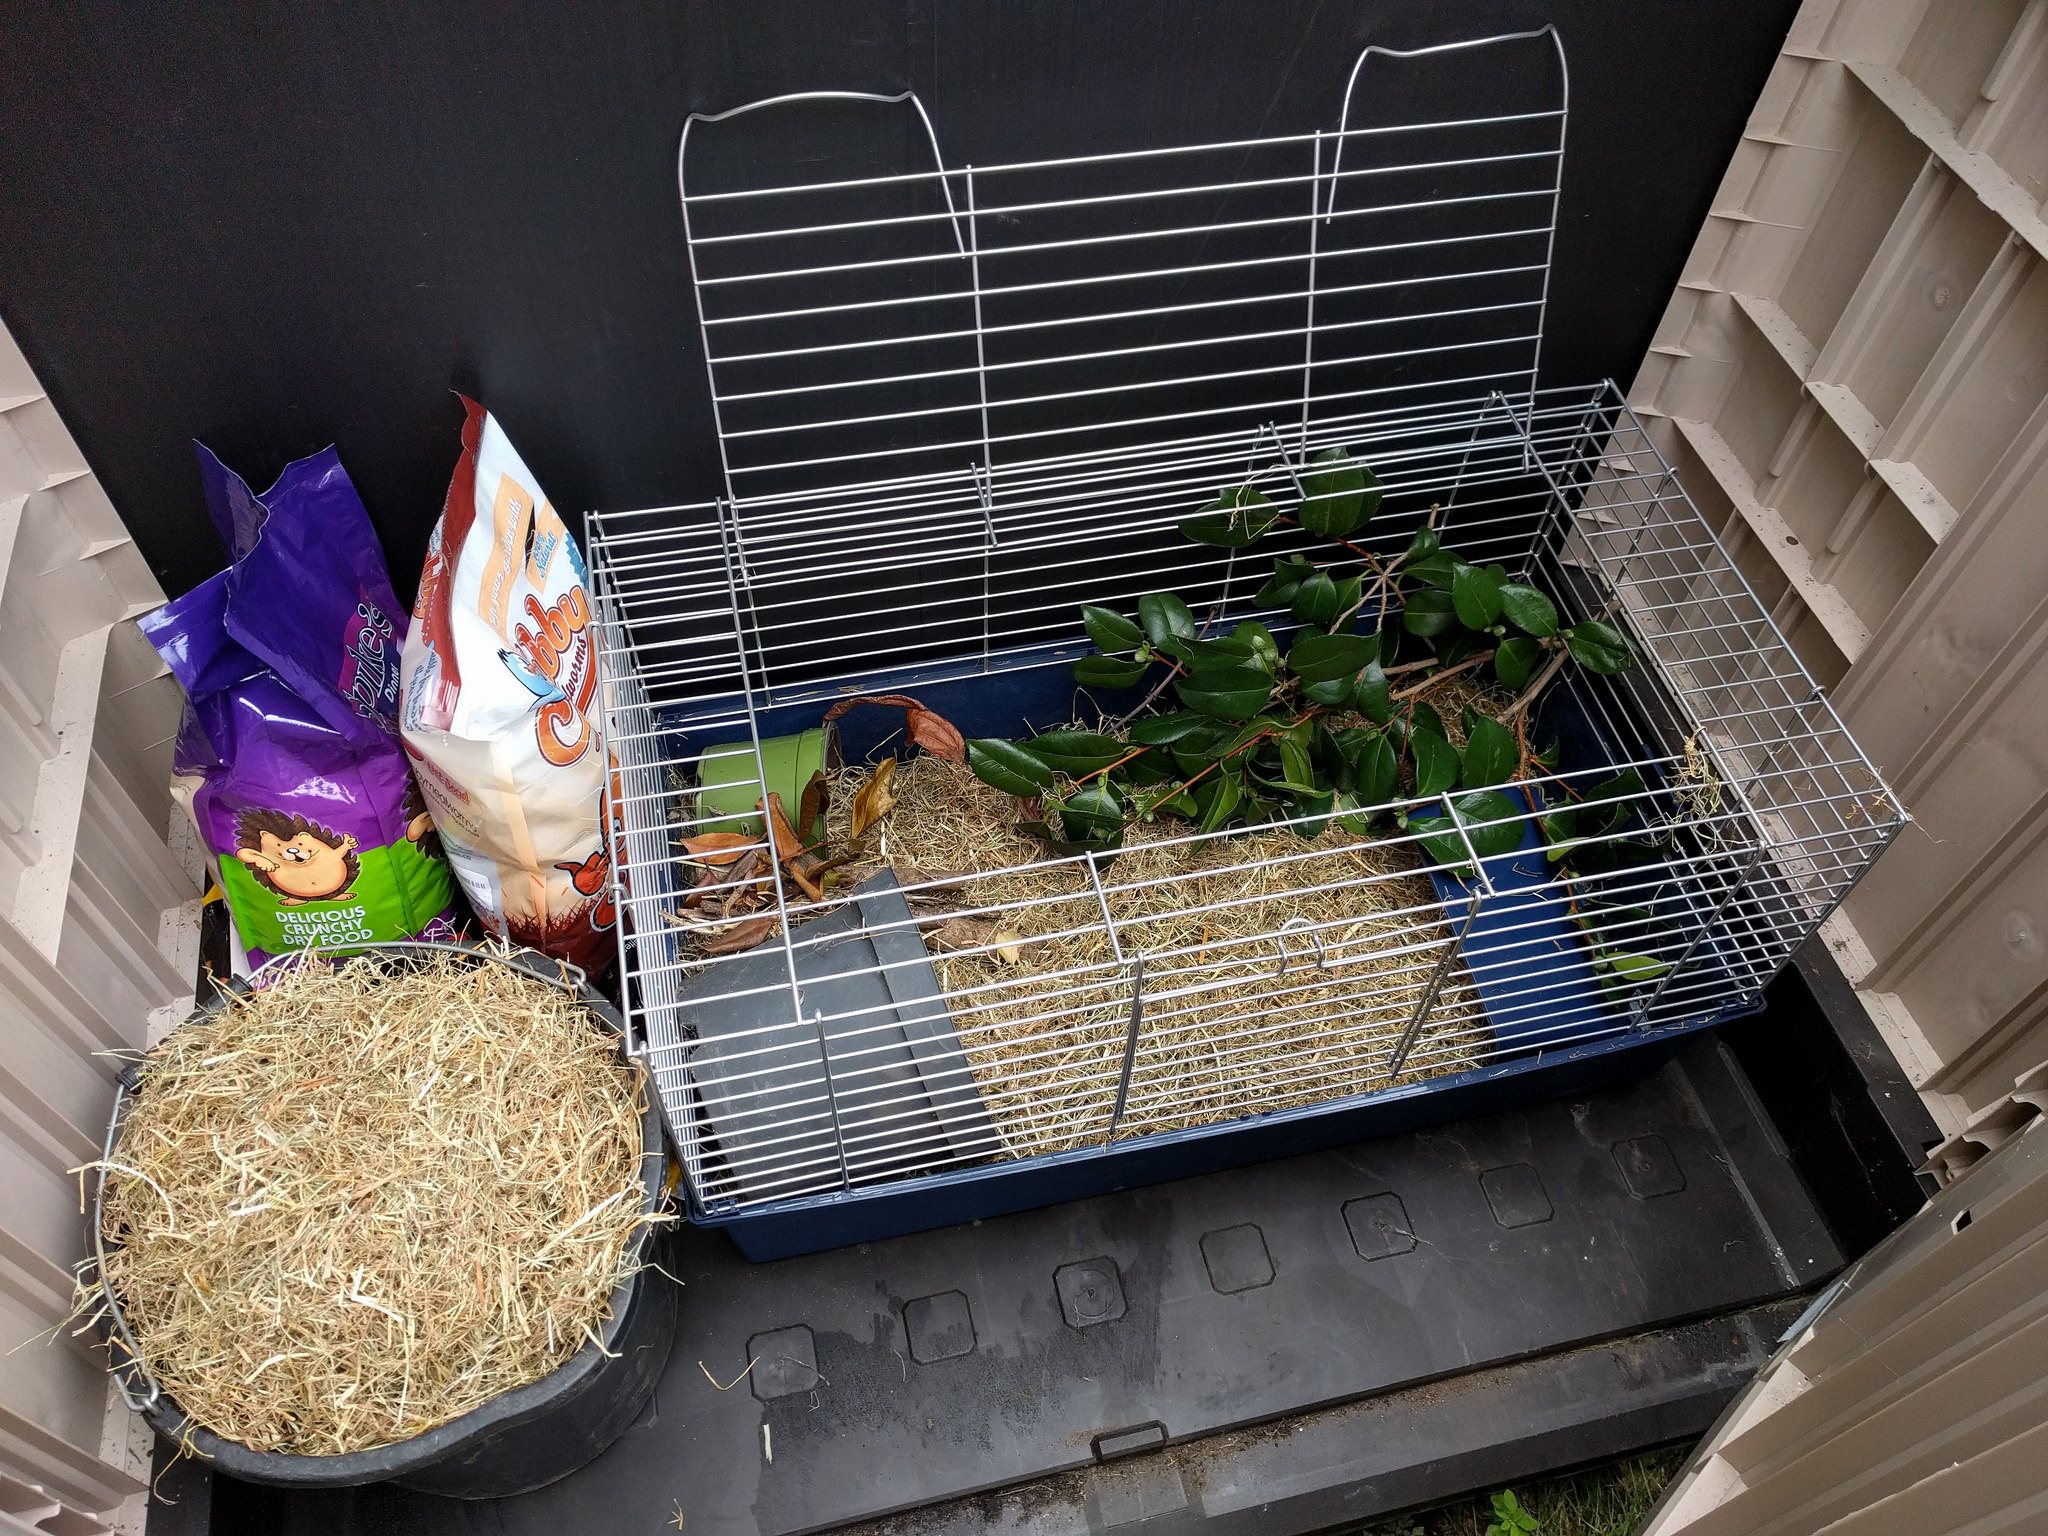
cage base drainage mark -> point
(953, 405)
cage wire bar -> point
(955, 404)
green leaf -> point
(1458, 644)
(1165, 617)
(1515, 661)
(1316, 657)
(1440, 840)
(1297, 768)
(1372, 697)
(1436, 762)
(1265, 650)
(1378, 770)
(1631, 967)
(1491, 755)
(1216, 797)
(1076, 753)
(1288, 575)
(1429, 612)
(1559, 826)
(1338, 496)
(1350, 596)
(1010, 766)
(1207, 655)
(1333, 752)
(1438, 570)
(1490, 805)
(1110, 630)
(1148, 768)
(1317, 600)
(1318, 809)
(1527, 609)
(1599, 647)
(1228, 693)
(1608, 804)
(1094, 813)
(1159, 730)
(1109, 671)
(1476, 596)
(1423, 717)
(1148, 804)
(1422, 546)
(1239, 516)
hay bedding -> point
(352, 1207)
(1239, 1018)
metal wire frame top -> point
(963, 319)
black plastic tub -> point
(517, 1442)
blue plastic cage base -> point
(815, 1223)
(1010, 694)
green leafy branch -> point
(1325, 727)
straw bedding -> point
(1243, 1013)
(358, 1204)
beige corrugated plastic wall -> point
(97, 934)
(1915, 1403)
(1852, 380)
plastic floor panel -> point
(930, 1372)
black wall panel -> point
(278, 226)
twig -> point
(1137, 751)
(1363, 553)
(1434, 678)
(1558, 658)
(728, 1386)
(1177, 670)
(1146, 703)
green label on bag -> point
(397, 891)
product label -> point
(369, 661)
(552, 657)
(388, 893)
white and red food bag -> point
(499, 707)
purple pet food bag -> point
(289, 661)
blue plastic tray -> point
(1516, 924)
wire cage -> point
(956, 404)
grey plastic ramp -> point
(883, 1064)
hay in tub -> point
(1239, 1017)
(359, 1203)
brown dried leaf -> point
(935, 733)
(927, 729)
(817, 799)
(780, 833)
(931, 881)
(961, 933)
(796, 859)
(1009, 945)
(874, 799)
(743, 893)
(717, 847)
(900, 700)
(795, 870)
(740, 936)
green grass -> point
(1607, 1501)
